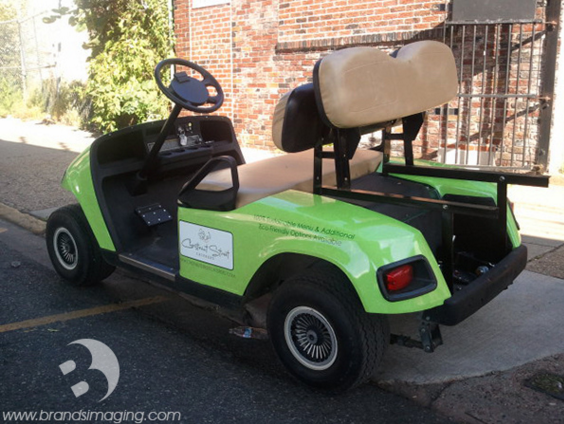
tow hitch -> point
(429, 333)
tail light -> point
(398, 278)
(406, 279)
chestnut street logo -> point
(204, 244)
(103, 360)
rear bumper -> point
(464, 303)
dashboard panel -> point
(191, 143)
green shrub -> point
(127, 39)
(10, 78)
(65, 102)
(11, 97)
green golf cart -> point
(317, 246)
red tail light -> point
(399, 278)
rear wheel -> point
(73, 249)
(321, 332)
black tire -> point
(321, 332)
(73, 249)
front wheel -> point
(73, 249)
(321, 332)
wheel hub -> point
(65, 248)
(310, 338)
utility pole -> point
(22, 57)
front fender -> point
(78, 180)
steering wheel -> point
(188, 92)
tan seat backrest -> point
(361, 86)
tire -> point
(321, 333)
(73, 249)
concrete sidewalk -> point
(521, 325)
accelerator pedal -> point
(153, 214)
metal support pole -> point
(317, 168)
(502, 206)
(342, 168)
(448, 246)
(22, 59)
(411, 127)
(553, 10)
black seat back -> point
(297, 125)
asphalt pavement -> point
(176, 361)
(480, 375)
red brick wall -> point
(260, 49)
(204, 37)
(310, 20)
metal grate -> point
(498, 101)
(501, 116)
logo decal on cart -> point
(207, 245)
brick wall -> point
(260, 49)
(311, 20)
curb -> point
(27, 222)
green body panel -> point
(355, 239)
(78, 180)
(469, 188)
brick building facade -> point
(260, 49)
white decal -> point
(205, 244)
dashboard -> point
(192, 141)
(186, 137)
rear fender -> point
(355, 240)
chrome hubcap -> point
(65, 248)
(310, 338)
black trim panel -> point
(165, 276)
(464, 303)
(211, 294)
(466, 174)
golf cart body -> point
(176, 200)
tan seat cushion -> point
(286, 172)
(362, 86)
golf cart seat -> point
(297, 127)
(362, 86)
(358, 88)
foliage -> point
(64, 101)
(11, 96)
(127, 39)
(10, 79)
(9, 43)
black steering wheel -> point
(188, 92)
